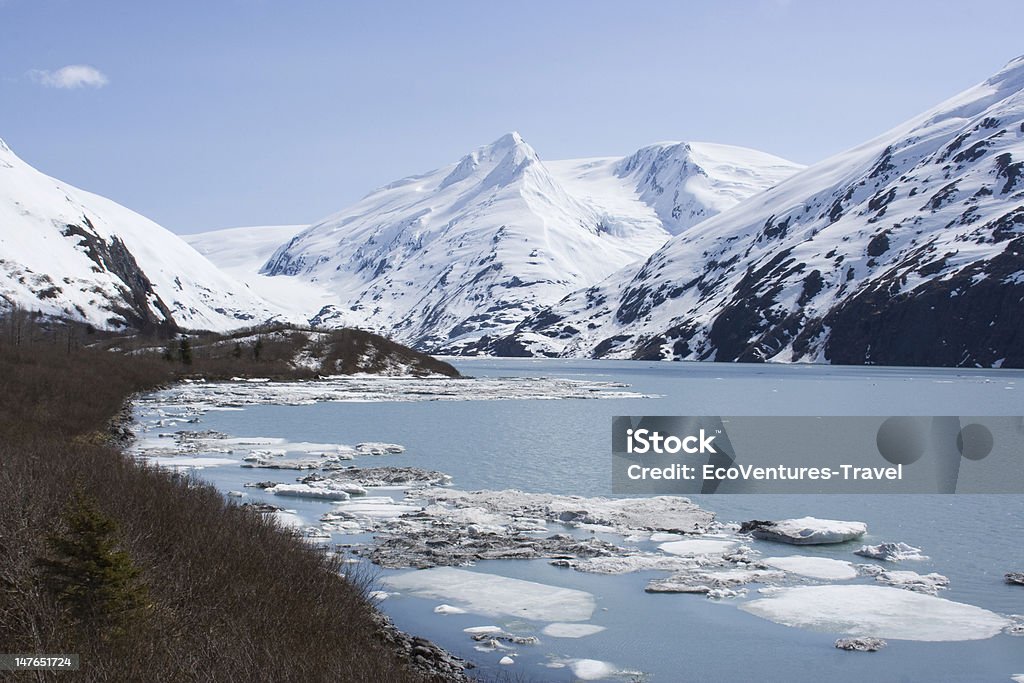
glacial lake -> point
(563, 447)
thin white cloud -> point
(71, 76)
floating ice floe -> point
(563, 630)
(270, 463)
(378, 595)
(380, 477)
(381, 507)
(623, 515)
(180, 462)
(698, 546)
(325, 489)
(493, 639)
(458, 527)
(710, 581)
(493, 595)
(474, 630)
(377, 448)
(814, 567)
(860, 644)
(506, 661)
(591, 669)
(912, 581)
(877, 611)
(448, 609)
(625, 564)
(805, 530)
(890, 552)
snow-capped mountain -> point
(908, 249)
(72, 254)
(450, 260)
(242, 252)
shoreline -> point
(398, 556)
(421, 655)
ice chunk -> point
(814, 567)
(698, 546)
(377, 448)
(506, 660)
(890, 552)
(448, 609)
(628, 563)
(912, 581)
(877, 611)
(563, 630)
(326, 489)
(185, 462)
(493, 595)
(374, 506)
(472, 630)
(860, 644)
(806, 530)
(1015, 577)
(591, 669)
(378, 595)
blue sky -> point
(204, 115)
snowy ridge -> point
(905, 250)
(72, 254)
(449, 260)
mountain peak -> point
(508, 140)
(1010, 77)
(510, 152)
(509, 143)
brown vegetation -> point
(191, 587)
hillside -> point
(906, 250)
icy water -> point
(563, 446)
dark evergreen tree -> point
(87, 572)
(185, 351)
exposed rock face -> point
(72, 255)
(138, 306)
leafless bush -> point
(229, 596)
